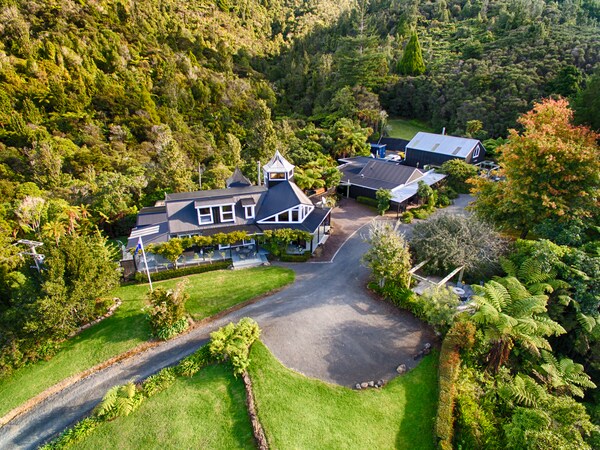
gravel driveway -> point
(326, 325)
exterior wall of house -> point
(359, 191)
(420, 158)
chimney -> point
(258, 171)
(443, 131)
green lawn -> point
(207, 411)
(302, 413)
(210, 293)
(406, 129)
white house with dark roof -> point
(435, 149)
(239, 207)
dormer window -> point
(249, 211)
(205, 216)
(227, 213)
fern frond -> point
(586, 322)
(508, 266)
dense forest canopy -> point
(112, 103)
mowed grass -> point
(210, 293)
(406, 128)
(302, 413)
(226, 288)
(206, 411)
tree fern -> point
(523, 390)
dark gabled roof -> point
(377, 173)
(237, 179)
(281, 197)
(215, 193)
(391, 172)
(151, 216)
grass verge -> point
(298, 412)
(207, 410)
(406, 129)
(209, 293)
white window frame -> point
(476, 152)
(250, 209)
(303, 212)
(200, 216)
(281, 176)
(245, 242)
(223, 213)
(224, 246)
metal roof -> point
(442, 144)
(404, 193)
(278, 164)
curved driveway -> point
(326, 325)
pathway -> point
(326, 325)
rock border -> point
(257, 429)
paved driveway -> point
(326, 325)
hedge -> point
(295, 258)
(367, 201)
(461, 335)
(141, 277)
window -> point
(295, 216)
(283, 217)
(476, 152)
(248, 242)
(277, 176)
(227, 213)
(205, 215)
(249, 210)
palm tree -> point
(509, 314)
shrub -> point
(449, 241)
(458, 172)
(167, 310)
(406, 217)
(119, 401)
(141, 277)
(384, 197)
(422, 213)
(438, 306)
(159, 382)
(443, 200)
(295, 258)
(448, 374)
(168, 332)
(189, 366)
(367, 201)
(233, 342)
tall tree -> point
(388, 257)
(587, 103)
(412, 59)
(551, 170)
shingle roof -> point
(215, 193)
(237, 179)
(443, 144)
(377, 173)
(281, 197)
